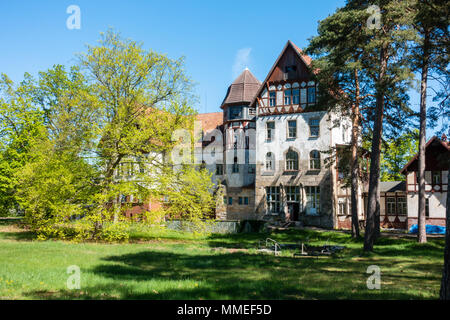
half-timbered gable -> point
(289, 86)
(437, 154)
(293, 136)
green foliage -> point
(21, 125)
(67, 136)
(190, 197)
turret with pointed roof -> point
(242, 90)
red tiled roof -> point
(210, 121)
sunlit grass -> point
(167, 264)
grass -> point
(164, 264)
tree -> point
(396, 152)
(339, 75)
(144, 96)
(21, 125)
(430, 52)
(384, 61)
(189, 191)
(120, 108)
(375, 65)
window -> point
(123, 198)
(235, 168)
(292, 193)
(251, 168)
(270, 161)
(295, 96)
(427, 208)
(273, 199)
(402, 208)
(390, 206)
(314, 129)
(270, 130)
(243, 201)
(313, 200)
(272, 99)
(219, 169)
(312, 95)
(230, 201)
(290, 68)
(436, 177)
(292, 129)
(224, 200)
(287, 96)
(314, 160)
(342, 206)
(291, 160)
(235, 113)
(252, 111)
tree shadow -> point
(231, 276)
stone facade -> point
(305, 188)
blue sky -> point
(218, 38)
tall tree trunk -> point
(445, 283)
(373, 208)
(422, 235)
(355, 164)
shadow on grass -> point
(168, 275)
(250, 240)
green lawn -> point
(172, 265)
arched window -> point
(291, 160)
(270, 162)
(314, 160)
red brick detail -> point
(431, 221)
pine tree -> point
(339, 53)
(430, 54)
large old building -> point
(276, 155)
(276, 139)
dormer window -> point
(295, 96)
(287, 96)
(290, 68)
(312, 95)
(272, 99)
